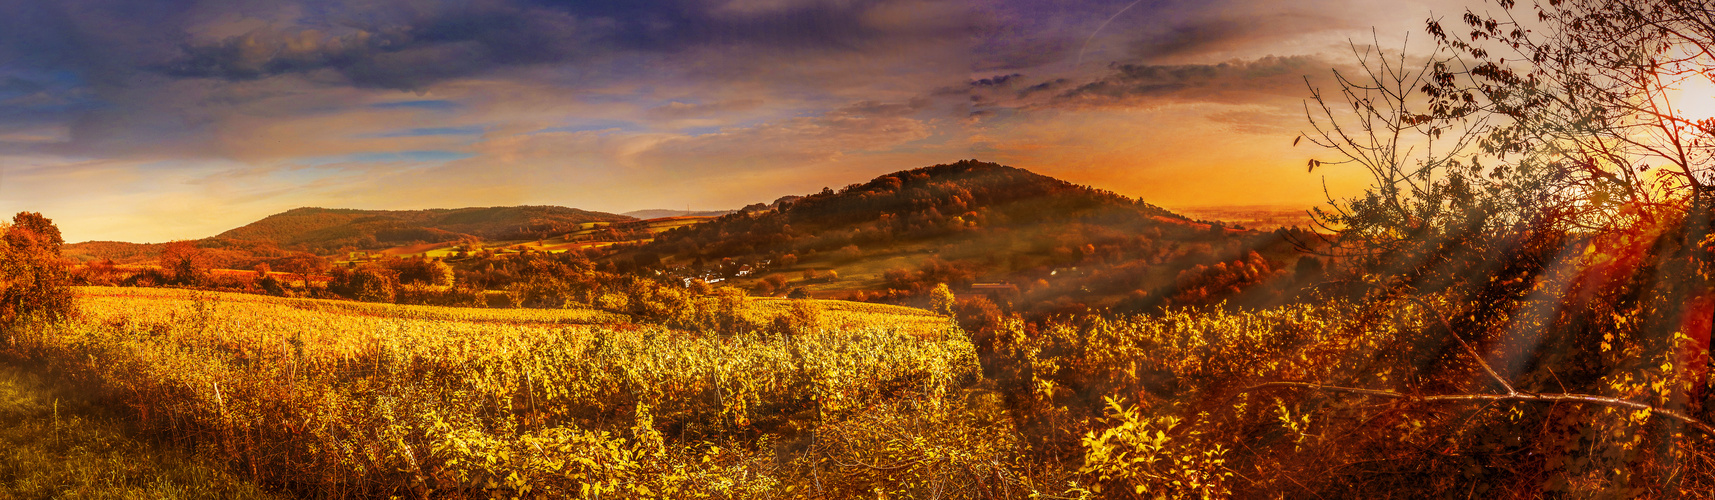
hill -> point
(984, 229)
(331, 229)
(326, 231)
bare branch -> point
(1705, 428)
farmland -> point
(346, 400)
(362, 400)
(581, 236)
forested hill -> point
(964, 223)
(336, 228)
(327, 231)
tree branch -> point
(1705, 428)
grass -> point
(58, 445)
(568, 316)
(335, 398)
(846, 315)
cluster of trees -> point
(1201, 284)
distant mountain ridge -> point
(326, 231)
(334, 228)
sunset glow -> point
(181, 120)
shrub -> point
(422, 271)
(801, 318)
(941, 300)
(182, 263)
(370, 283)
(34, 280)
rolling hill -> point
(367, 229)
(983, 228)
(327, 231)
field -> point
(349, 400)
(588, 235)
(342, 399)
(56, 444)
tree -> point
(265, 279)
(1539, 189)
(367, 283)
(303, 264)
(42, 228)
(183, 263)
(1602, 93)
(34, 280)
(422, 270)
(772, 284)
(470, 244)
(941, 300)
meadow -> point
(348, 400)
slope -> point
(367, 229)
(981, 227)
(325, 231)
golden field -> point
(349, 399)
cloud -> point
(1233, 81)
(679, 110)
(1227, 33)
(263, 105)
(997, 81)
(440, 45)
(411, 47)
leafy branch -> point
(1509, 395)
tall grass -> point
(318, 401)
(55, 444)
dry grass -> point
(342, 399)
(55, 444)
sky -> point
(158, 120)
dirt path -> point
(54, 446)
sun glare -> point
(1693, 97)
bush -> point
(941, 300)
(182, 263)
(542, 292)
(802, 318)
(422, 271)
(368, 283)
(34, 280)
